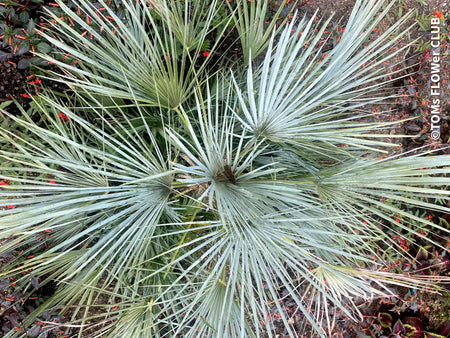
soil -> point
(341, 9)
(13, 83)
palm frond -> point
(253, 26)
(317, 103)
(149, 55)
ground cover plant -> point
(186, 192)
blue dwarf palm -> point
(248, 185)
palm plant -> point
(253, 27)
(151, 54)
(247, 187)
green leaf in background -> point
(43, 47)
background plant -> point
(242, 182)
(21, 22)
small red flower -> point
(3, 183)
(25, 95)
(10, 206)
(438, 14)
(52, 182)
(63, 117)
(206, 54)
